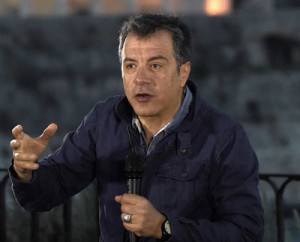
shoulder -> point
(216, 119)
(103, 112)
(218, 124)
(108, 104)
(206, 115)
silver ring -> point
(127, 218)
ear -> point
(184, 74)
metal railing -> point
(279, 189)
(2, 206)
(34, 217)
(67, 207)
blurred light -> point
(149, 5)
(217, 7)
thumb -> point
(118, 198)
(48, 133)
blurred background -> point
(59, 57)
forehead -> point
(160, 41)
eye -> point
(155, 66)
(130, 66)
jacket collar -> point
(124, 110)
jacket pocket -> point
(184, 169)
(180, 185)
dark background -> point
(56, 69)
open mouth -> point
(143, 97)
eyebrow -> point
(159, 57)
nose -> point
(143, 76)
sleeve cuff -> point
(14, 176)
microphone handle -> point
(133, 187)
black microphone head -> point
(133, 166)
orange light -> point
(217, 7)
(149, 5)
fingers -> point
(27, 150)
(118, 198)
(15, 144)
(129, 198)
(48, 133)
(25, 167)
(129, 205)
(145, 220)
(17, 132)
(24, 157)
(24, 162)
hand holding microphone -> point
(139, 216)
(133, 173)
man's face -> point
(151, 80)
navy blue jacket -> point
(203, 176)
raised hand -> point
(27, 150)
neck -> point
(151, 126)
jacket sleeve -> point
(234, 196)
(62, 174)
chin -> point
(145, 109)
(145, 112)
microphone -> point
(133, 173)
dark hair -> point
(146, 24)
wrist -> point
(24, 176)
(158, 232)
(165, 230)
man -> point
(200, 174)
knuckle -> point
(143, 221)
(139, 230)
(33, 157)
(126, 207)
(13, 143)
(16, 155)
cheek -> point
(126, 81)
(127, 85)
(172, 85)
(127, 78)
